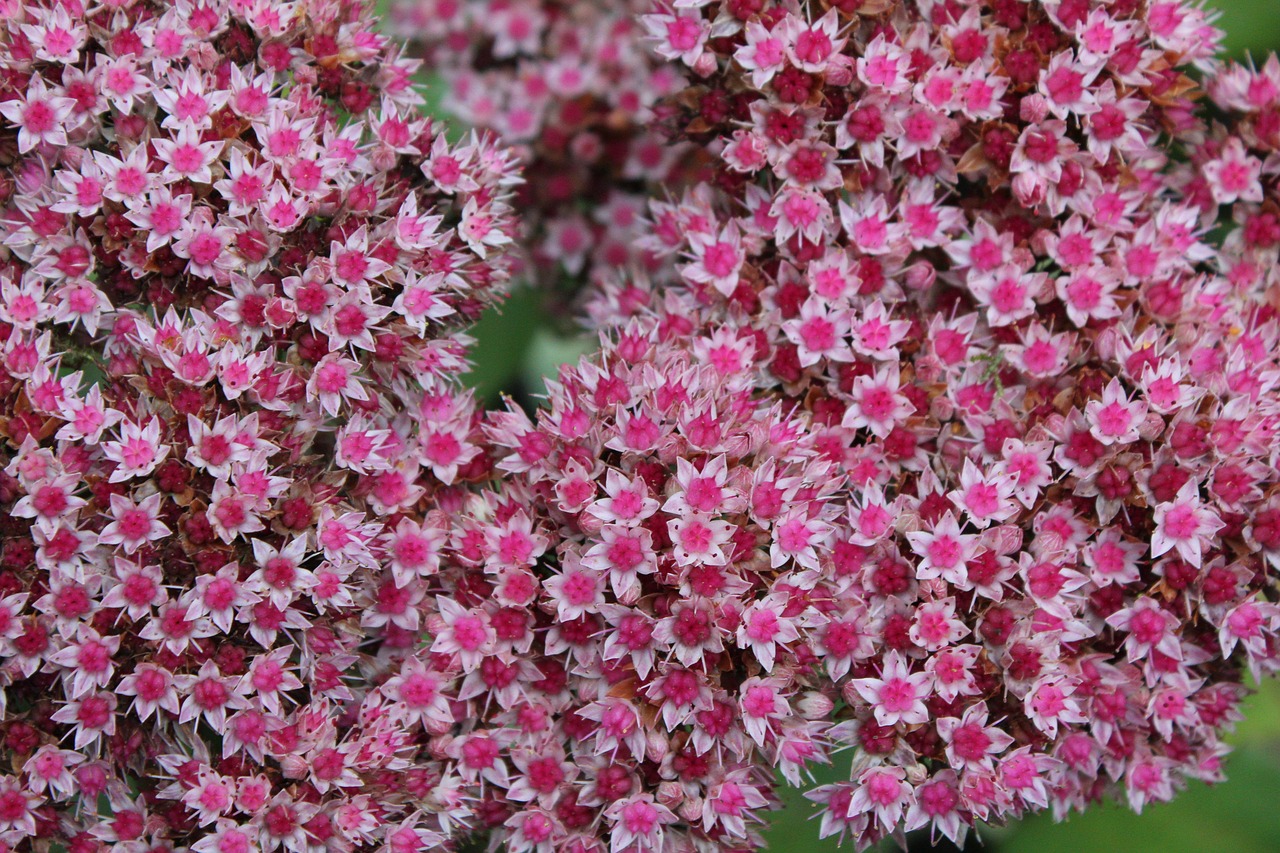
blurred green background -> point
(518, 345)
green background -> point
(517, 347)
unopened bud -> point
(921, 275)
(705, 65)
(815, 706)
(691, 809)
(840, 70)
(670, 794)
(656, 746)
(1033, 109)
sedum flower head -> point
(230, 334)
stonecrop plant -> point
(236, 259)
(934, 427)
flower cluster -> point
(946, 432)
(571, 86)
(234, 259)
(1024, 292)
(637, 634)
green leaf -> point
(547, 353)
(1252, 26)
(503, 336)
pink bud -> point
(814, 705)
(1029, 188)
(933, 590)
(589, 524)
(656, 746)
(72, 156)
(1105, 344)
(1005, 539)
(670, 794)
(691, 809)
(438, 727)
(1042, 240)
(31, 175)
(1033, 109)
(130, 127)
(928, 369)
(941, 408)
(384, 157)
(293, 767)
(280, 312)
(92, 779)
(840, 70)
(586, 147)
(921, 275)
(1152, 426)
(705, 65)
(438, 745)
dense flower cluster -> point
(234, 257)
(949, 435)
(572, 87)
(1025, 293)
(672, 638)
(1013, 295)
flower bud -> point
(656, 746)
(813, 705)
(921, 275)
(1033, 108)
(670, 794)
(839, 71)
(691, 809)
(705, 65)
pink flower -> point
(897, 695)
(626, 554)
(466, 633)
(882, 791)
(186, 157)
(1184, 524)
(638, 819)
(89, 660)
(699, 538)
(39, 115)
(134, 524)
(422, 694)
(825, 483)
(678, 35)
(92, 715)
(1115, 419)
(763, 54)
(877, 404)
(137, 452)
(49, 769)
(17, 809)
(943, 551)
(971, 741)
(1233, 175)
(1148, 627)
(765, 626)
(717, 260)
(152, 688)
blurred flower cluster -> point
(939, 423)
(572, 87)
